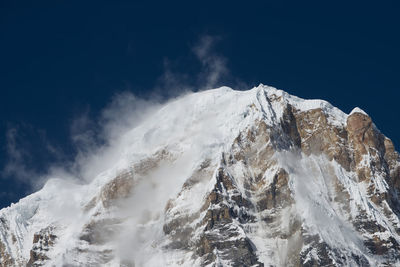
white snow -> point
(358, 110)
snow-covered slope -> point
(223, 178)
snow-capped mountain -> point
(224, 178)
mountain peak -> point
(223, 178)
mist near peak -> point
(98, 139)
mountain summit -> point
(224, 178)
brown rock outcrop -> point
(43, 241)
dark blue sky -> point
(60, 59)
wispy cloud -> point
(212, 70)
(16, 156)
(214, 66)
(21, 163)
(98, 139)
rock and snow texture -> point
(224, 178)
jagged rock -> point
(277, 194)
(118, 188)
(5, 258)
(42, 243)
(319, 136)
(100, 231)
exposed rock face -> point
(231, 213)
(118, 188)
(318, 136)
(291, 183)
(5, 257)
(42, 242)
